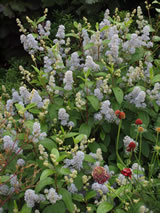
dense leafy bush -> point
(77, 134)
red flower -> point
(131, 146)
(127, 172)
(138, 122)
(120, 115)
(100, 175)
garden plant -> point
(81, 134)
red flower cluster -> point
(127, 172)
(100, 175)
(131, 146)
(120, 115)
(138, 122)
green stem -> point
(117, 144)
(140, 147)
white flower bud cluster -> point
(1, 210)
(52, 195)
(136, 97)
(36, 133)
(138, 172)
(90, 64)
(99, 154)
(121, 180)
(154, 94)
(30, 44)
(44, 155)
(61, 32)
(144, 209)
(140, 21)
(80, 102)
(133, 75)
(68, 80)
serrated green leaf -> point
(145, 149)
(85, 129)
(144, 117)
(90, 194)
(120, 166)
(89, 158)
(79, 138)
(66, 196)
(94, 102)
(26, 209)
(78, 197)
(104, 28)
(29, 106)
(118, 94)
(55, 152)
(41, 19)
(58, 207)
(156, 38)
(104, 207)
(88, 46)
(155, 79)
(71, 134)
(48, 144)
(46, 173)
(42, 183)
(72, 35)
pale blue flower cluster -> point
(63, 116)
(76, 162)
(31, 198)
(98, 94)
(68, 80)
(154, 94)
(106, 112)
(99, 187)
(136, 97)
(20, 162)
(36, 133)
(90, 64)
(9, 144)
(72, 188)
(30, 44)
(52, 195)
(44, 30)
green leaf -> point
(72, 35)
(79, 138)
(48, 144)
(118, 94)
(156, 38)
(155, 79)
(89, 45)
(4, 178)
(104, 28)
(145, 149)
(158, 10)
(89, 158)
(58, 207)
(78, 197)
(120, 166)
(42, 183)
(104, 207)
(94, 102)
(20, 108)
(29, 106)
(64, 171)
(93, 147)
(41, 19)
(144, 117)
(90, 194)
(85, 129)
(46, 173)
(71, 134)
(66, 196)
(55, 152)
(26, 209)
